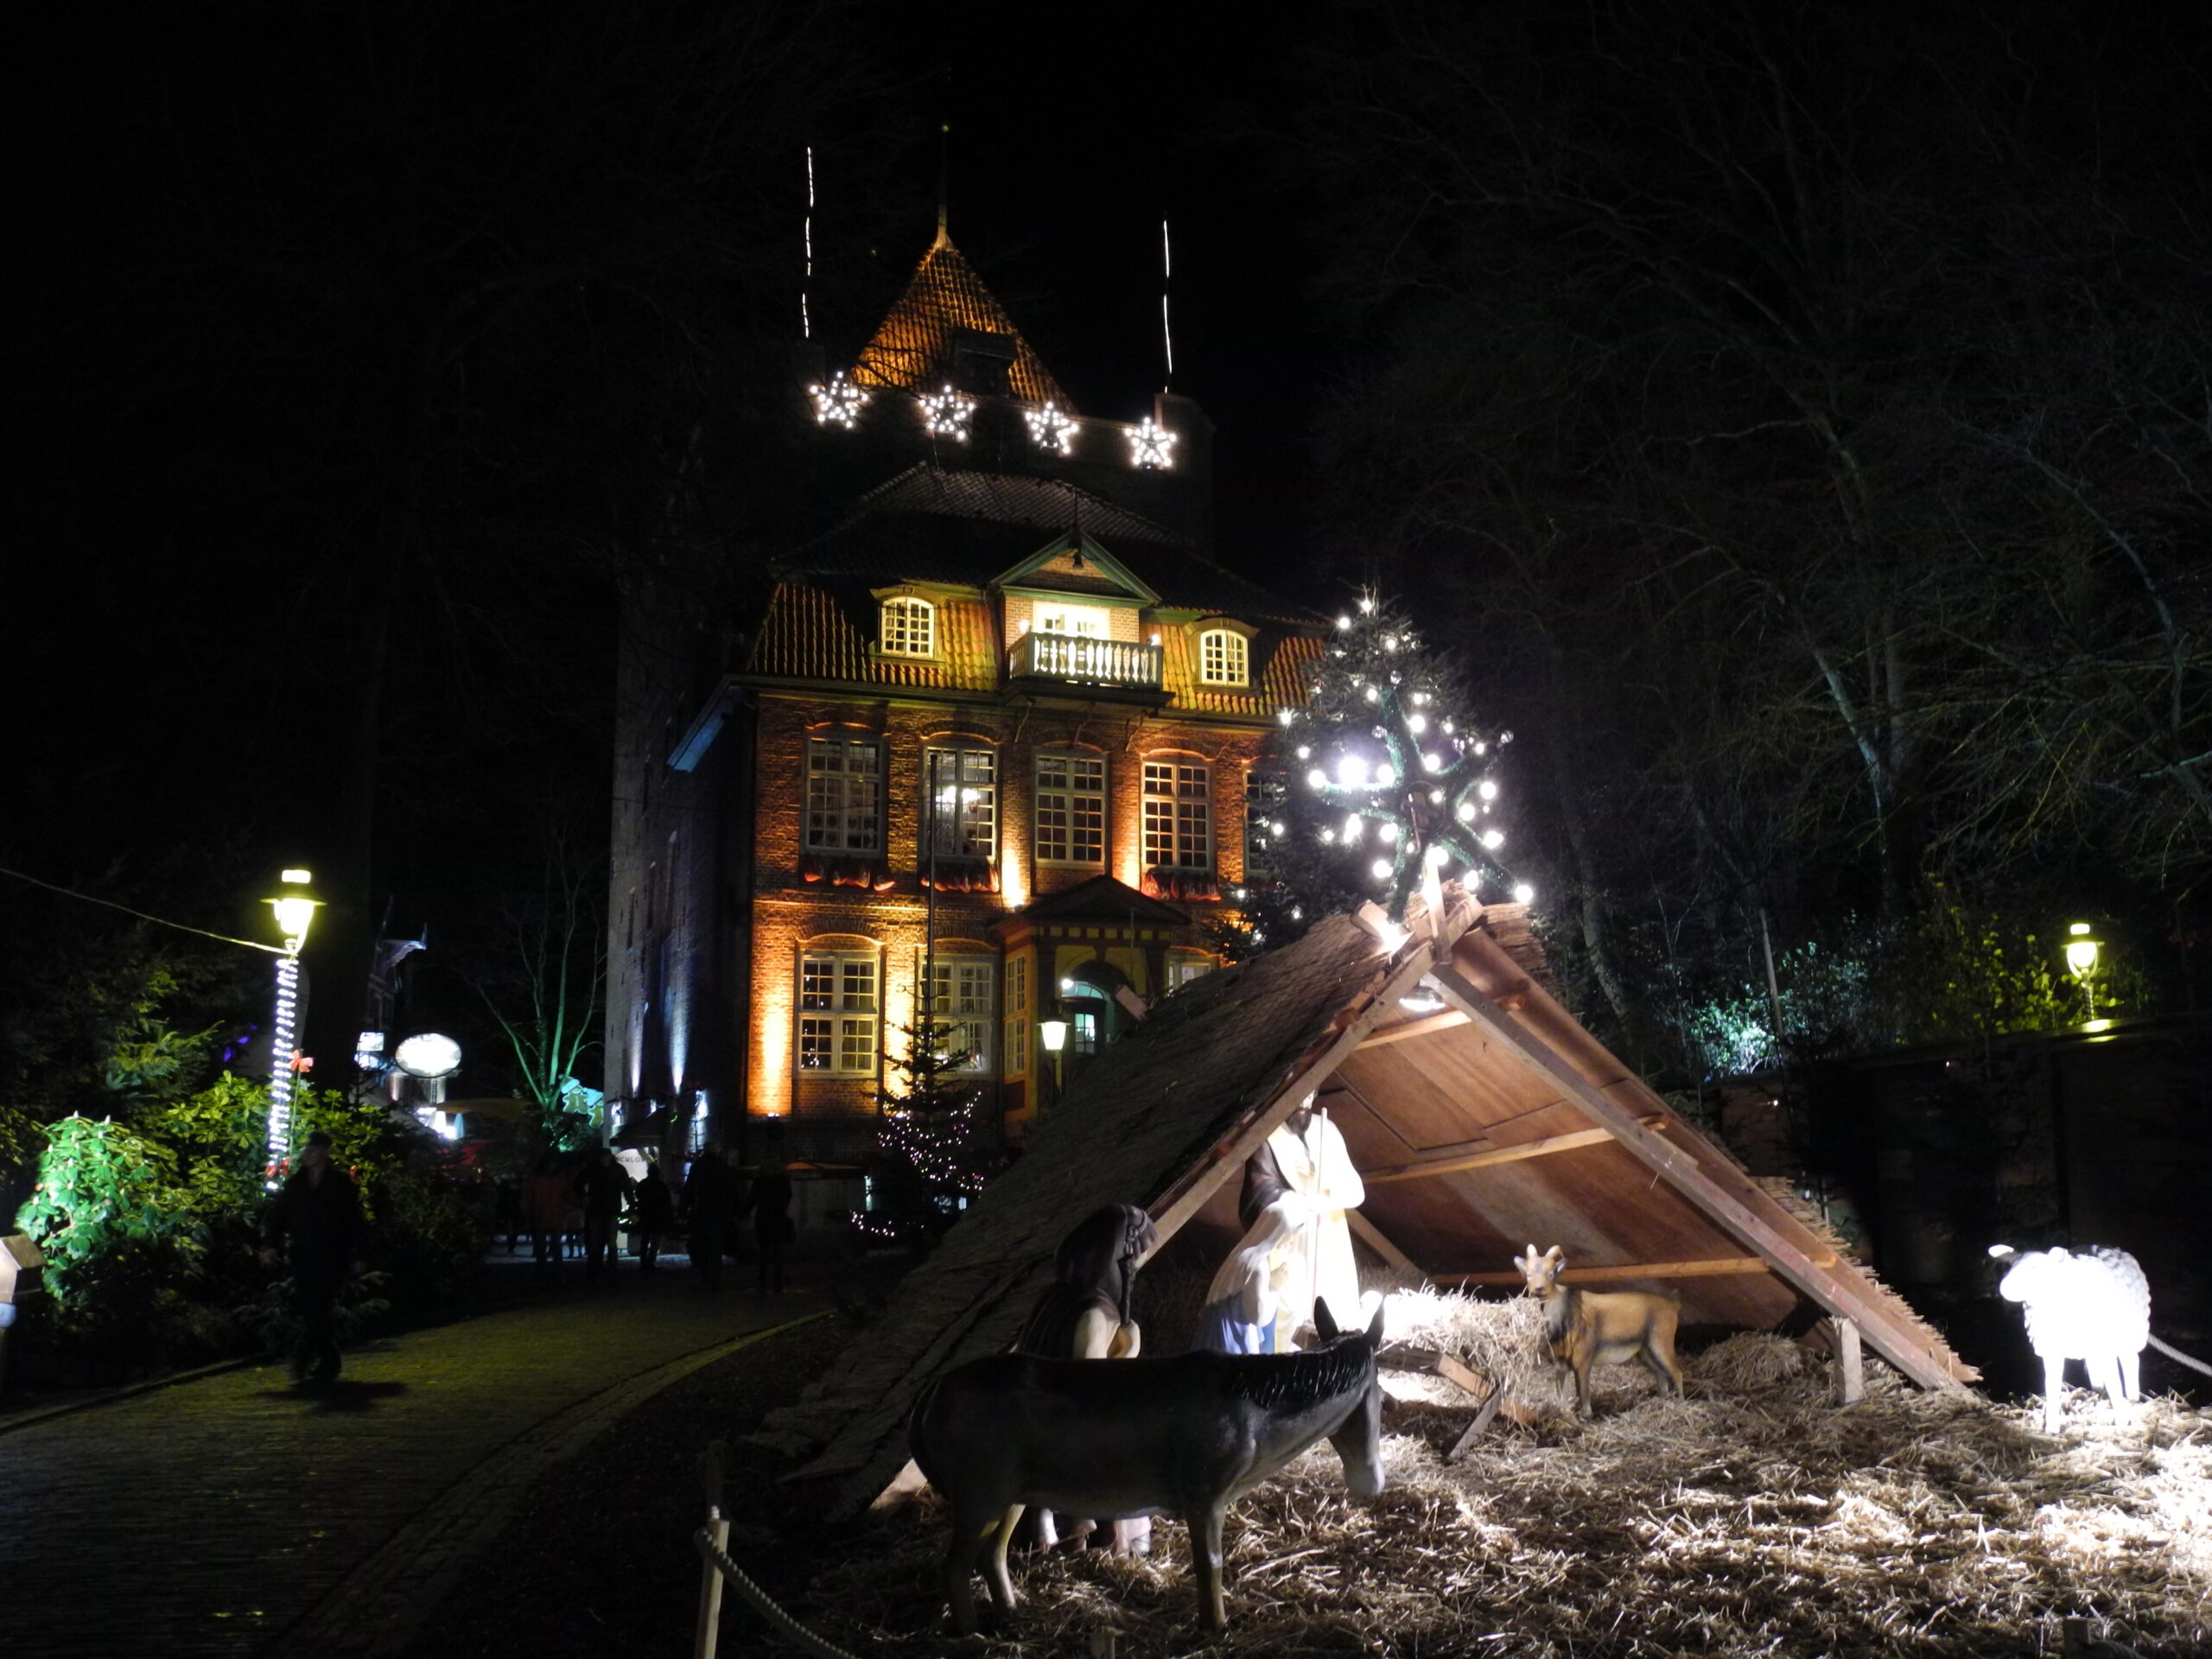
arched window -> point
(909, 628)
(1224, 658)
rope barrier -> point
(781, 1622)
(2176, 1353)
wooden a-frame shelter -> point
(1480, 1113)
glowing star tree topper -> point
(1387, 779)
(839, 403)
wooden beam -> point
(1482, 1422)
(1618, 1271)
(1365, 1229)
(1795, 1266)
(1188, 1195)
(1483, 1160)
(1418, 1026)
(1850, 1371)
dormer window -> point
(910, 627)
(1224, 658)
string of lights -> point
(159, 921)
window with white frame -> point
(1224, 658)
(1016, 1047)
(909, 628)
(1071, 814)
(1182, 969)
(963, 1003)
(1178, 815)
(844, 795)
(837, 1010)
(962, 783)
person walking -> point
(317, 1213)
(545, 1206)
(710, 1205)
(654, 1214)
(770, 1200)
(601, 1184)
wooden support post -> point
(1850, 1372)
(1483, 1418)
(1372, 1235)
(710, 1591)
(1419, 1027)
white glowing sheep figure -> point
(2094, 1306)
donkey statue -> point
(1186, 1435)
(1588, 1327)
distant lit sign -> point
(429, 1055)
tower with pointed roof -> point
(983, 750)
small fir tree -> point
(1383, 778)
(928, 1153)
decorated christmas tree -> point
(1382, 781)
(929, 1156)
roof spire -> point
(944, 172)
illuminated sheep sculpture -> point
(2094, 1306)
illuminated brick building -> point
(1008, 598)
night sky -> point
(181, 664)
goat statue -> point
(1588, 1327)
(1188, 1435)
(2093, 1306)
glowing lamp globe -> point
(2080, 951)
(1055, 1033)
(296, 907)
(428, 1054)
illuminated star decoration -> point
(946, 414)
(1380, 744)
(838, 403)
(1051, 428)
(1151, 444)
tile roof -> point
(931, 524)
(828, 633)
(915, 346)
(1286, 663)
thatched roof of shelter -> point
(1481, 1118)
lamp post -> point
(1053, 1028)
(294, 907)
(2082, 949)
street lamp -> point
(2082, 948)
(294, 907)
(1053, 1028)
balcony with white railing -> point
(1084, 659)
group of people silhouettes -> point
(578, 1207)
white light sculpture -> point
(1052, 427)
(1151, 445)
(946, 414)
(839, 403)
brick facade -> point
(1046, 602)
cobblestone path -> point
(231, 1515)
